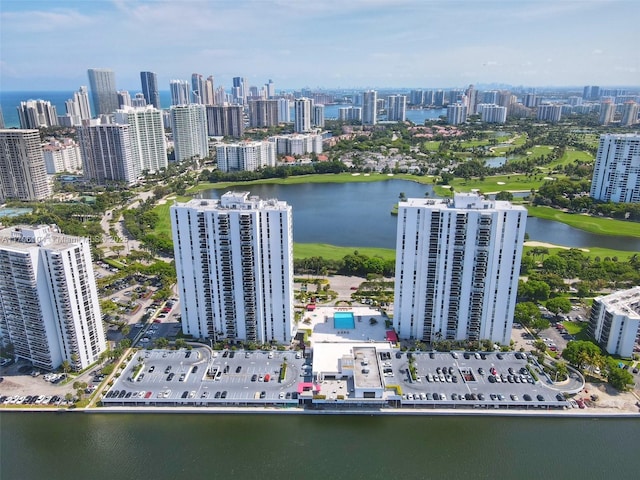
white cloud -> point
(307, 41)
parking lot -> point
(477, 379)
(199, 378)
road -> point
(122, 238)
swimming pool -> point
(343, 320)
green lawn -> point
(570, 155)
(513, 183)
(332, 252)
(164, 221)
(579, 329)
(592, 252)
(432, 145)
(317, 178)
(474, 143)
(599, 225)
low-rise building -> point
(62, 156)
(614, 321)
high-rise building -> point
(271, 89)
(208, 96)
(149, 81)
(416, 97)
(317, 119)
(574, 100)
(62, 156)
(240, 90)
(37, 114)
(506, 98)
(1, 119)
(225, 121)
(139, 100)
(180, 92)
(23, 174)
(350, 114)
(471, 95)
(234, 263)
(49, 309)
(455, 96)
(456, 113)
(78, 108)
(148, 143)
(492, 113)
(107, 153)
(189, 126)
(220, 97)
(245, 156)
(369, 107)
(614, 321)
(397, 108)
(530, 100)
(549, 112)
(457, 267)
(124, 98)
(202, 89)
(263, 113)
(297, 144)
(591, 92)
(616, 175)
(284, 110)
(302, 120)
(428, 97)
(607, 112)
(198, 89)
(629, 114)
(102, 83)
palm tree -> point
(66, 367)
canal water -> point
(70, 446)
(359, 215)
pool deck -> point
(324, 331)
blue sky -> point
(48, 45)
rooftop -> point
(235, 201)
(23, 238)
(366, 370)
(624, 302)
(461, 201)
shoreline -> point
(426, 412)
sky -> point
(50, 44)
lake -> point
(72, 446)
(359, 215)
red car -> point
(580, 403)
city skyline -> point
(357, 44)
